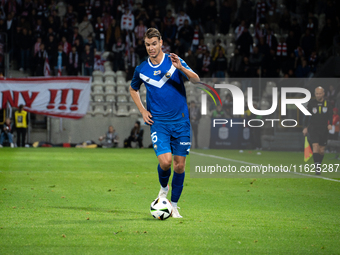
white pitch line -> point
(253, 164)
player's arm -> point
(145, 113)
(193, 77)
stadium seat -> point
(99, 109)
(109, 77)
(121, 90)
(121, 74)
(97, 87)
(230, 37)
(61, 9)
(128, 83)
(107, 66)
(191, 98)
(110, 98)
(122, 110)
(111, 109)
(98, 97)
(121, 80)
(109, 89)
(208, 38)
(220, 36)
(122, 99)
(134, 110)
(264, 104)
(97, 77)
(269, 89)
(210, 46)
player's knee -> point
(165, 164)
(179, 167)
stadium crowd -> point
(237, 38)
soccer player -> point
(167, 111)
(318, 126)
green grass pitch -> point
(96, 201)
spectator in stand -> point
(313, 62)
(66, 45)
(308, 43)
(70, 16)
(182, 16)
(264, 49)
(284, 23)
(100, 35)
(73, 62)
(169, 34)
(289, 64)
(112, 34)
(140, 30)
(255, 61)
(51, 47)
(245, 42)
(26, 8)
(218, 112)
(296, 28)
(190, 59)
(88, 60)
(127, 21)
(245, 69)
(239, 29)
(37, 46)
(118, 51)
(107, 8)
(271, 65)
(96, 9)
(131, 62)
(66, 31)
(11, 6)
(76, 36)
(89, 42)
(331, 95)
(39, 30)
(210, 17)
(206, 65)
(220, 65)
(166, 47)
(326, 35)
(39, 60)
(158, 20)
(245, 10)
(141, 52)
(25, 47)
(130, 41)
(225, 16)
(302, 69)
(185, 35)
(216, 50)
(107, 20)
(291, 42)
(60, 62)
(52, 24)
(143, 15)
(271, 39)
(178, 47)
(196, 38)
(85, 28)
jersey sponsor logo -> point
(185, 143)
(324, 109)
(168, 75)
(157, 72)
(314, 110)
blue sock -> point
(177, 186)
(163, 176)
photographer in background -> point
(7, 133)
(110, 140)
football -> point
(161, 208)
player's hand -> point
(305, 131)
(175, 61)
(329, 127)
(147, 117)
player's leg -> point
(160, 138)
(180, 145)
(164, 172)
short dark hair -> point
(152, 32)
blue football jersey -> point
(166, 97)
